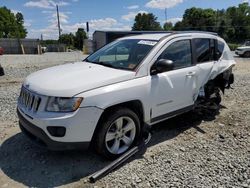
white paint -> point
(102, 87)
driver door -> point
(173, 91)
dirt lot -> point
(197, 149)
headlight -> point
(63, 104)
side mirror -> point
(162, 65)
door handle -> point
(190, 74)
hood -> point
(70, 79)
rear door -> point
(205, 59)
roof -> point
(159, 36)
(153, 35)
(130, 32)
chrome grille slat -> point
(29, 100)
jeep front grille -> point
(29, 100)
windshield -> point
(247, 43)
(122, 54)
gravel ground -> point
(197, 149)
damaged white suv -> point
(107, 99)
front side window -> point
(123, 54)
(179, 52)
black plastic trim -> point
(171, 114)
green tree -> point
(68, 39)
(168, 26)
(11, 25)
(179, 26)
(198, 19)
(239, 22)
(233, 24)
(146, 22)
(79, 37)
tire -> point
(1, 71)
(247, 54)
(118, 132)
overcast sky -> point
(40, 15)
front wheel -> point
(247, 54)
(117, 132)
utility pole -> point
(58, 21)
(87, 29)
(166, 14)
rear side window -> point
(220, 49)
(179, 52)
(204, 50)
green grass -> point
(233, 46)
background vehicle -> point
(1, 50)
(107, 100)
(244, 51)
(1, 68)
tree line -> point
(233, 24)
(71, 40)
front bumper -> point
(239, 52)
(79, 127)
(41, 138)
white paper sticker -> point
(147, 42)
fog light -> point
(57, 131)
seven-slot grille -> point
(29, 100)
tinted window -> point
(212, 48)
(179, 52)
(220, 49)
(247, 43)
(204, 50)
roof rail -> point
(204, 32)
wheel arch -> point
(135, 105)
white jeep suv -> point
(107, 99)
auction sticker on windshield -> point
(147, 42)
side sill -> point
(171, 114)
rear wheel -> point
(117, 133)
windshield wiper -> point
(106, 64)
